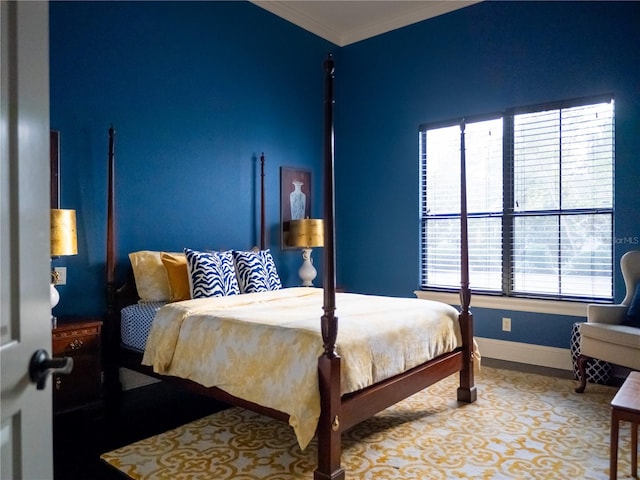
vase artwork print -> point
(295, 199)
(298, 200)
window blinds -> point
(563, 201)
(540, 202)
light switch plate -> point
(62, 275)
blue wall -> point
(197, 90)
(481, 59)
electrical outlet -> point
(506, 324)
(62, 275)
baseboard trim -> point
(527, 353)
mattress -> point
(136, 323)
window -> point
(539, 196)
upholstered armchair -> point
(612, 332)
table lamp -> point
(64, 241)
(307, 234)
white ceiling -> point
(348, 21)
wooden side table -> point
(625, 406)
(80, 339)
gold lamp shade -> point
(64, 240)
(307, 233)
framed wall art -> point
(54, 158)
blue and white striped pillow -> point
(256, 271)
(211, 274)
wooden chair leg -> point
(634, 449)
(613, 446)
(582, 370)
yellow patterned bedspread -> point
(264, 347)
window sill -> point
(554, 307)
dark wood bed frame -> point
(338, 413)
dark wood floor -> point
(80, 437)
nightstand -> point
(80, 339)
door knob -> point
(41, 366)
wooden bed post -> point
(110, 272)
(262, 228)
(329, 430)
(111, 331)
(467, 390)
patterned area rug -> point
(523, 426)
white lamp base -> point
(307, 271)
(54, 296)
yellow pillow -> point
(151, 276)
(178, 273)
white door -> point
(26, 432)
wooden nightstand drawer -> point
(72, 343)
(80, 340)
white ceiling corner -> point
(343, 22)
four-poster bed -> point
(339, 409)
